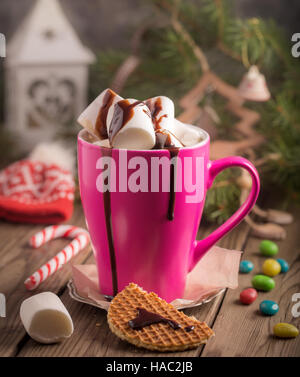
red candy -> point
(247, 296)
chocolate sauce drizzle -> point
(173, 169)
(145, 318)
(163, 140)
(162, 143)
(107, 211)
(108, 298)
(157, 108)
(189, 328)
(123, 112)
(100, 125)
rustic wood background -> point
(240, 330)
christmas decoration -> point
(197, 55)
(253, 86)
(248, 118)
(46, 70)
(223, 148)
(80, 240)
(39, 189)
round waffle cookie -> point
(157, 336)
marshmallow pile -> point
(121, 123)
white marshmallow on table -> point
(186, 134)
(166, 115)
(45, 318)
(137, 133)
(88, 117)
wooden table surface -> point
(240, 330)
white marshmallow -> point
(162, 135)
(45, 318)
(175, 141)
(139, 130)
(187, 135)
(165, 116)
(102, 143)
(88, 117)
(137, 133)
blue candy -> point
(284, 265)
(269, 307)
(246, 266)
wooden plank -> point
(92, 336)
(243, 330)
(17, 262)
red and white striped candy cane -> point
(80, 240)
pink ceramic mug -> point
(149, 237)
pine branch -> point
(170, 63)
(196, 49)
(173, 10)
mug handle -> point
(214, 168)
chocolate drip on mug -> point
(163, 140)
(100, 125)
(123, 112)
(146, 318)
(107, 212)
(173, 166)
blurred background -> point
(61, 54)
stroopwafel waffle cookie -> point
(126, 307)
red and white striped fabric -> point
(80, 240)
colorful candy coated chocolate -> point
(263, 283)
(268, 248)
(271, 267)
(285, 330)
(247, 296)
(246, 266)
(269, 307)
(284, 265)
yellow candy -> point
(285, 330)
(271, 267)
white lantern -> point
(46, 75)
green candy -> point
(263, 283)
(268, 248)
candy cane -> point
(80, 240)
